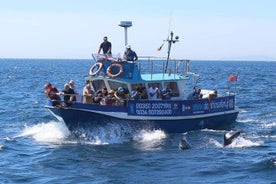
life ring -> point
(109, 69)
(91, 71)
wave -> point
(53, 133)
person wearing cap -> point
(120, 96)
(105, 46)
(130, 55)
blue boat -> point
(176, 106)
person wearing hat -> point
(130, 55)
(105, 46)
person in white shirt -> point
(153, 92)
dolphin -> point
(183, 144)
(230, 136)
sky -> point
(71, 29)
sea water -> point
(37, 148)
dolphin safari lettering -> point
(176, 108)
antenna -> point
(125, 24)
(170, 41)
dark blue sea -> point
(37, 148)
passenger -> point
(105, 46)
(91, 86)
(130, 55)
(99, 97)
(72, 86)
(197, 94)
(144, 94)
(87, 94)
(166, 93)
(153, 92)
(69, 95)
(104, 92)
(212, 95)
(136, 94)
(120, 96)
(52, 94)
(110, 99)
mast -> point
(170, 40)
(125, 24)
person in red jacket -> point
(52, 94)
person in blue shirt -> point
(130, 55)
(166, 93)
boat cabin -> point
(113, 73)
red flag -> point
(233, 78)
(159, 48)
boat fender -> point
(109, 69)
(91, 71)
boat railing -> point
(152, 65)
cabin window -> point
(98, 84)
(134, 86)
(173, 87)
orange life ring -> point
(109, 69)
(99, 65)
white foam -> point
(270, 125)
(148, 136)
(150, 139)
(241, 142)
(51, 132)
(216, 143)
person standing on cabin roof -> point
(105, 46)
(130, 55)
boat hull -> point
(77, 118)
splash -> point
(150, 139)
(241, 142)
(102, 135)
(52, 132)
(148, 136)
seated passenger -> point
(52, 94)
(69, 95)
(197, 94)
(136, 94)
(153, 91)
(110, 99)
(99, 97)
(166, 93)
(87, 94)
(212, 95)
(144, 94)
(120, 96)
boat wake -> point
(53, 133)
